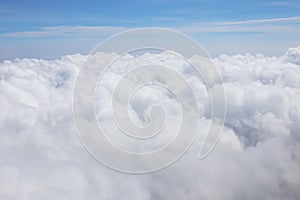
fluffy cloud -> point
(258, 156)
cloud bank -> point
(258, 156)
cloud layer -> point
(256, 158)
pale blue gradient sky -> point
(52, 28)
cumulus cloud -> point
(256, 158)
(292, 55)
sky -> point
(52, 28)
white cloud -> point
(256, 21)
(257, 157)
(293, 55)
(67, 31)
(271, 25)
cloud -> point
(256, 158)
(293, 55)
(275, 26)
(254, 26)
(67, 31)
(256, 21)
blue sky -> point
(53, 28)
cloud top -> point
(256, 158)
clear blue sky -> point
(51, 28)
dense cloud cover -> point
(257, 157)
